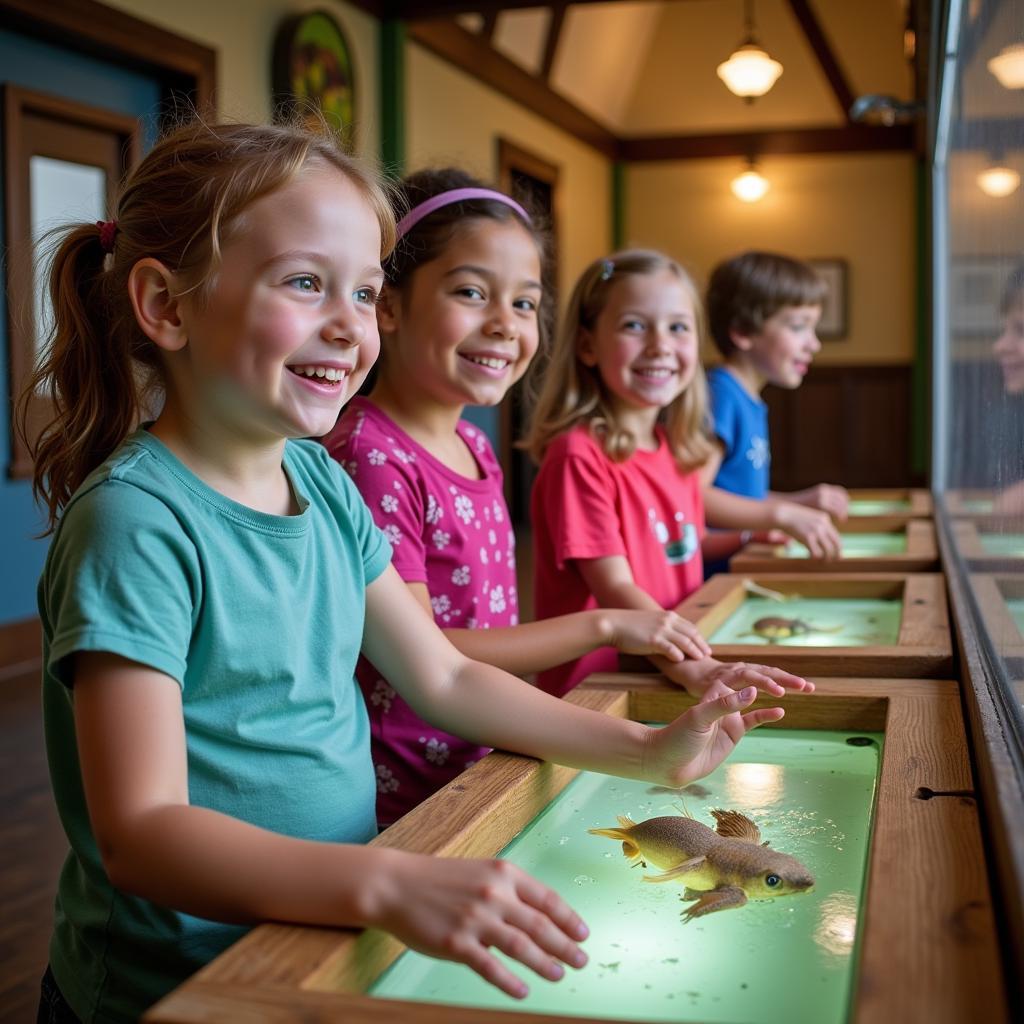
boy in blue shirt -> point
(763, 309)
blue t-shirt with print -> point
(740, 422)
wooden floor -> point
(32, 845)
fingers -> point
(704, 715)
(760, 716)
(786, 680)
(687, 637)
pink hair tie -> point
(455, 195)
(108, 228)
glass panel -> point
(979, 163)
(59, 192)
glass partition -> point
(979, 318)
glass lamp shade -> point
(749, 71)
(1008, 66)
(750, 186)
(998, 181)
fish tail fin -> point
(626, 821)
(610, 833)
(680, 869)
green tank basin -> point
(813, 622)
(790, 959)
(976, 506)
(1016, 607)
(878, 506)
(854, 545)
(1007, 545)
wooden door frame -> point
(512, 157)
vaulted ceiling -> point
(626, 73)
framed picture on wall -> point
(313, 68)
(975, 292)
(834, 322)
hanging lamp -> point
(750, 71)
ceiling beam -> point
(823, 51)
(412, 10)
(469, 53)
(551, 44)
(855, 138)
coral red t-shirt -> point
(584, 505)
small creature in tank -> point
(775, 629)
(721, 868)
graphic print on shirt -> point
(684, 546)
(758, 452)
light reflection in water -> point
(838, 925)
(753, 785)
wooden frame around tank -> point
(928, 950)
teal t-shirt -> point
(259, 619)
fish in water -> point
(774, 628)
(721, 867)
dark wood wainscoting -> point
(845, 425)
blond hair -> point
(572, 393)
(101, 371)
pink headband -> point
(455, 195)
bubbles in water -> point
(584, 880)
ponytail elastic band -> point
(108, 228)
(455, 195)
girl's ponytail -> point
(87, 373)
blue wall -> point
(49, 69)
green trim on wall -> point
(618, 204)
(920, 382)
(392, 95)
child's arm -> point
(484, 705)
(536, 646)
(721, 544)
(829, 498)
(611, 579)
(156, 845)
(809, 526)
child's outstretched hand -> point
(812, 527)
(829, 498)
(702, 737)
(662, 632)
(711, 678)
(459, 909)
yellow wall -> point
(243, 36)
(452, 118)
(856, 207)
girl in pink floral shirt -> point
(461, 316)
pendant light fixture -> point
(998, 181)
(749, 72)
(1008, 66)
(751, 185)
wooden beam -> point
(551, 44)
(848, 139)
(413, 10)
(490, 24)
(466, 51)
(823, 51)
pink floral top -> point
(455, 535)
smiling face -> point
(1009, 349)
(465, 327)
(644, 345)
(288, 329)
(782, 351)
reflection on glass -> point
(985, 312)
(60, 192)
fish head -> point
(781, 875)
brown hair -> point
(748, 289)
(101, 371)
(428, 239)
(572, 393)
